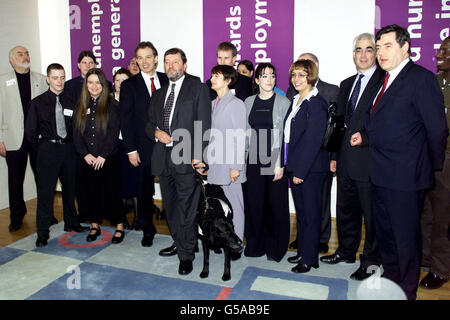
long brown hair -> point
(102, 116)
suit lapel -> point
(180, 99)
(142, 87)
(370, 90)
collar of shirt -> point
(364, 81)
(178, 84)
(296, 105)
(395, 72)
(148, 81)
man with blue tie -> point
(407, 130)
(352, 165)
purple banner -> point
(262, 31)
(427, 22)
(109, 28)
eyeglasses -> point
(299, 75)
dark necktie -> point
(60, 123)
(168, 108)
(354, 97)
(386, 79)
(152, 86)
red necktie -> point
(386, 79)
(152, 86)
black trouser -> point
(106, 179)
(17, 165)
(353, 203)
(55, 161)
(435, 222)
(181, 194)
(397, 224)
(325, 226)
(267, 223)
(80, 192)
(145, 188)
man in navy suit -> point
(407, 131)
(135, 95)
(352, 165)
(179, 116)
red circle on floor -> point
(106, 237)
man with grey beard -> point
(17, 88)
(180, 109)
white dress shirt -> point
(177, 88)
(364, 81)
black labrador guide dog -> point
(215, 227)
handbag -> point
(332, 140)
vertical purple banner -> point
(109, 28)
(262, 31)
(428, 23)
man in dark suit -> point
(330, 92)
(353, 186)
(179, 114)
(407, 131)
(226, 55)
(135, 96)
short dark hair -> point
(227, 46)
(146, 44)
(401, 35)
(262, 66)
(175, 51)
(228, 72)
(86, 53)
(54, 66)
(248, 64)
(122, 71)
(309, 67)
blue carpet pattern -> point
(69, 268)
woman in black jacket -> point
(96, 128)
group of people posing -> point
(111, 140)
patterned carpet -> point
(69, 268)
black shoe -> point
(294, 259)
(237, 255)
(93, 237)
(78, 228)
(303, 268)
(360, 274)
(432, 281)
(41, 241)
(323, 248)
(170, 251)
(335, 258)
(14, 226)
(147, 241)
(118, 239)
(185, 267)
(54, 221)
(293, 245)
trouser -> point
(267, 222)
(325, 227)
(145, 188)
(17, 165)
(55, 161)
(397, 224)
(435, 223)
(233, 192)
(353, 203)
(308, 205)
(181, 195)
(107, 179)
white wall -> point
(19, 25)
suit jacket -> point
(355, 160)
(134, 103)
(407, 132)
(305, 154)
(228, 115)
(327, 90)
(193, 105)
(243, 88)
(11, 111)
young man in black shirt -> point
(49, 130)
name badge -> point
(10, 82)
(233, 91)
(88, 111)
(68, 112)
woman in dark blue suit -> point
(306, 163)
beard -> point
(21, 65)
(175, 75)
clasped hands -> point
(95, 162)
